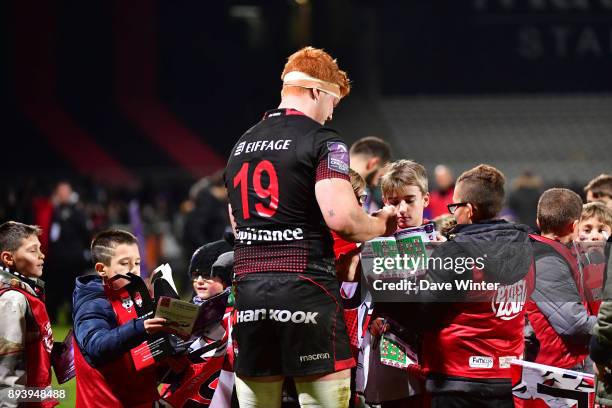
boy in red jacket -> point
(558, 312)
(106, 328)
(26, 339)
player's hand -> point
(378, 327)
(389, 217)
(155, 325)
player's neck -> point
(301, 104)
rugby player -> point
(288, 186)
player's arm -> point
(343, 215)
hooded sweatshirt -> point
(470, 335)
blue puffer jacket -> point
(96, 330)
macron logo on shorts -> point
(314, 357)
(282, 316)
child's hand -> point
(439, 237)
(155, 325)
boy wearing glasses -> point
(469, 336)
(211, 270)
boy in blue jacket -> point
(106, 328)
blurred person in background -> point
(369, 156)
(443, 194)
(600, 189)
(208, 219)
(68, 239)
(523, 200)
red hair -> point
(318, 64)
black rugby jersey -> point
(270, 179)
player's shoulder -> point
(325, 136)
(329, 140)
(327, 132)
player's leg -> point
(328, 390)
(316, 349)
(257, 364)
(259, 392)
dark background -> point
(134, 101)
(120, 81)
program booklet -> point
(185, 318)
(409, 244)
(163, 283)
(133, 300)
(62, 359)
(395, 353)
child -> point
(453, 334)
(595, 222)
(593, 231)
(347, 253)
(26, 339)
(558, 313)
(207, 273)
(600, 189)
(211, 367)
(106, 328)
(405, 187)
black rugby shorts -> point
(289, 324)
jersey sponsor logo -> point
(338, 157)
(239, 148)
(262, 145)
(248, 235)
(315, 357)
(504, 362)
(283, 316)
(481, 362)
(509, 300)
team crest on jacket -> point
(47, 337)
(138, 299)
(127, 303)
(509, 300)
